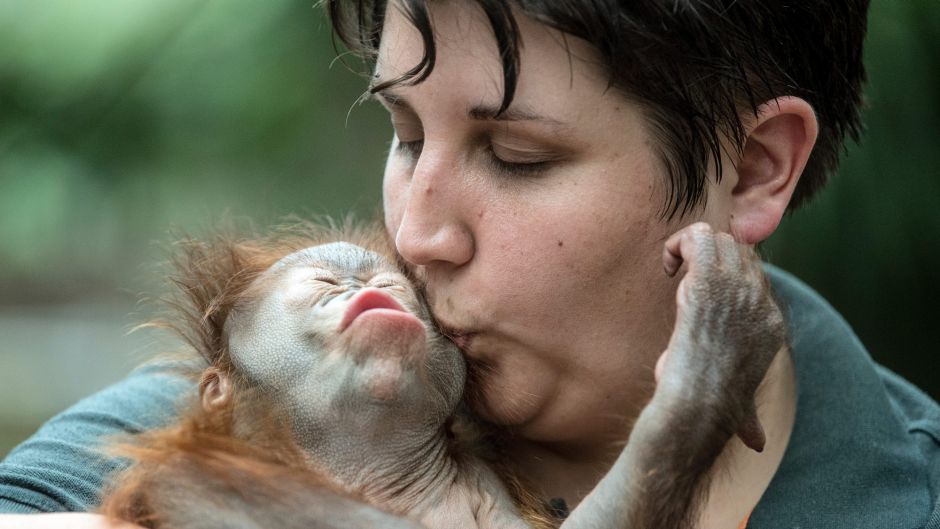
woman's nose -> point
(431, 230)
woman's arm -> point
(61, 467)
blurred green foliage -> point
(119, 120)
(870, 243)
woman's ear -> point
(778, 145)
(215, 390)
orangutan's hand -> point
(728, 330)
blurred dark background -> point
(122, 120)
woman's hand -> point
(65, 520)
(728, 330)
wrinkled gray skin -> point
(369, 401)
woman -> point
(543, 155)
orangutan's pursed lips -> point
(369, 299)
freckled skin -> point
(570, 363)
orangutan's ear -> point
(778, 145)
(215, 390)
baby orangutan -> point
(330, 399)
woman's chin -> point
(502, 397)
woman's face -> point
(537, 232)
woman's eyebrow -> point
(513, 113)
(391, 100)
(477, 112)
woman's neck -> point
(741, 475)
(738, 478)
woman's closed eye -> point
(519, 162)
(502, 161)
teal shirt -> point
(864, 452)
(865, 447)
(60, 468)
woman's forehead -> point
(467, 52)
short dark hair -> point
(692, 65)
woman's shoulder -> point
(62, 466)
(863, 451)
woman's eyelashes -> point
(503, 167)
(530, 168)
(411, 149)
